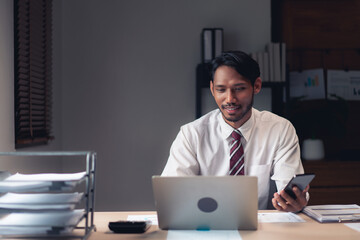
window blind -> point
(33, 71)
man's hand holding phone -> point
(293, 197)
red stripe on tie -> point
(237, 155)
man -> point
(238, 139)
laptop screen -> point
(206, 202)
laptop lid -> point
(206, 202)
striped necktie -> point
(236, 155)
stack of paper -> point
(41, 182)
(7, 186)
(51, 219)
(13, 202)
(26, 231)
(334, 213)
(66, 177)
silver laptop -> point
(203, 202)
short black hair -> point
(240, 61)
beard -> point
(245, 108)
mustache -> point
(230, 105)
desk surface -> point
(305, 230)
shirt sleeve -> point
(182, 159)
(287, 161)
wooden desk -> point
(294, 231)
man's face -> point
(234, 95)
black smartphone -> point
(299, 180)
(129, 226)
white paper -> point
(308, 84)
(26, 207)
(55, 219)
(24, 186)
(339, 211)
(334, 207)
(279, 217)
(29, 230)
(152, 218)
(345, 84)
(23, 230)
(16, 202)
(203, 235)
(47, 177)
(333, 213)
(355, 226)
(40, 198)
(262, 217)
(41, 182)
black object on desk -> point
(129, 226)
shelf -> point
(273, 84)
(314, 40)
(45, 204)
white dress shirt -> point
(270, 143)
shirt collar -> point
(245, 129)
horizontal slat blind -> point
(33, 71)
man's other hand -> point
(284, 202)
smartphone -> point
(299, 180)
(129, 226)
